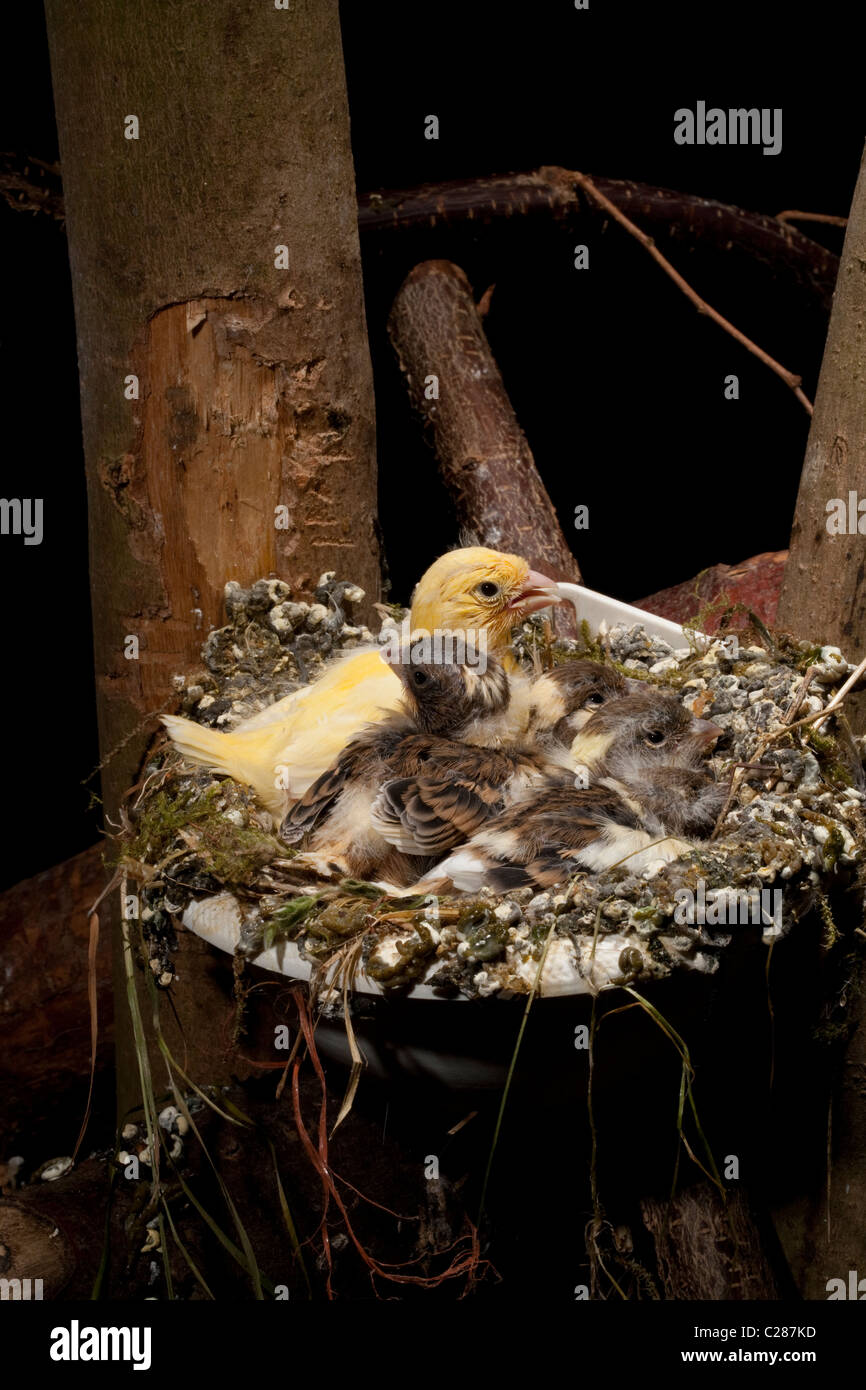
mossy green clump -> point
(230, 853)
(162, 815)
(720, 608)
(234, 854)
(287, 921)
(832, 764)
(824, 744)
(834, 845)
(592, 648)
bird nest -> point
(790, 841)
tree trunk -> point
(824, 591)
(709, 1248)
(823, 1230)
(455, 385)
(217, 387)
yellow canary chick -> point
(282, 750)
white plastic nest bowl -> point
(569, 969)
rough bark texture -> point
(707, 1248)
(824, 593)
(823, 1232)
(44, 1012)
(483, 455)
(755, 582)
(255, 382)
(824, 598)
(667, 215)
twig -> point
(585, 183)
(800, 696)
(821, 714)
(793, 216)
(818, 716)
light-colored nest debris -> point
(195, 838)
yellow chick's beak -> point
(536, 592)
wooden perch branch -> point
(483, 455)
(678, 217)
(586, 184)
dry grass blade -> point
(536, 983)
(348, 966)
(288, 1221)
(94, 1024)
(686, 1094)
(141, 1052)
(248, 1259)
(196, 1272)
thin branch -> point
(790, 215)
(424, 213)
(585, 183)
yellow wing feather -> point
(281, 758)
(283, 749)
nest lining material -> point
(207, 854)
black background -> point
(616, 380)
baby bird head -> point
(475, 589)
(444, 698)
(639, 731)
(563, 699)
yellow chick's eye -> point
(593, 701)
(487, 589)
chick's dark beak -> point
(536, 592)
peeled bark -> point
(483, 455)
(254, 383)
(824, 593)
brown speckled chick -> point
(407, 790)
